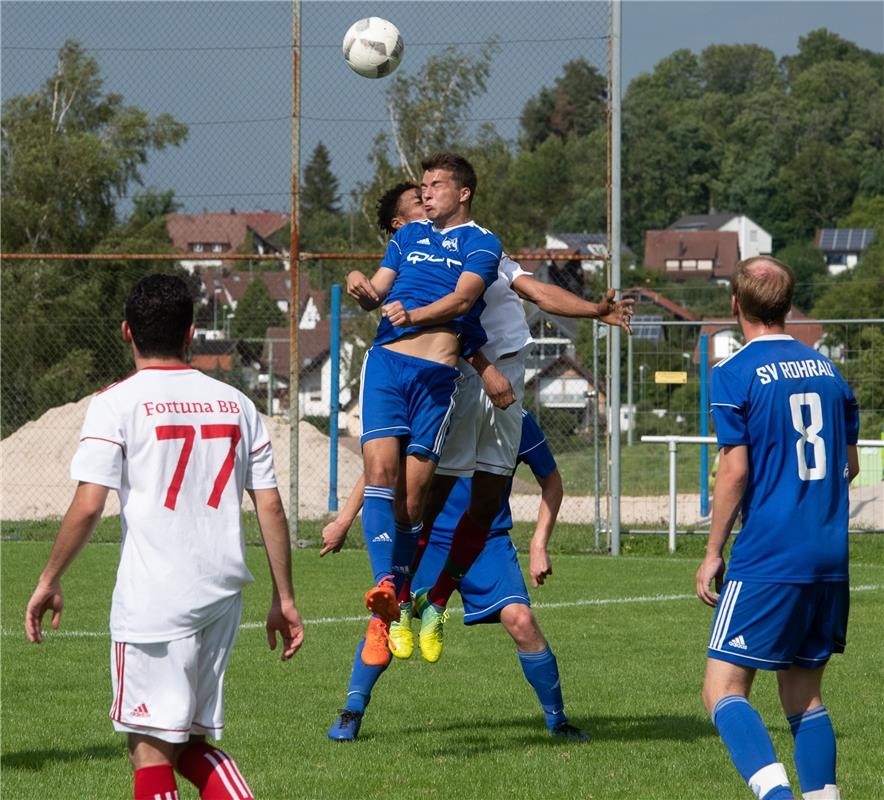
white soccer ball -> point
(373, 47)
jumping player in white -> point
(787, 427)
(485, 428)
(179, 448)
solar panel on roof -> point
(644, 327)
(846, 240)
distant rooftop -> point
(702, 222)
(844, 240)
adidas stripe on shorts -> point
(172, 690)
(775, 625)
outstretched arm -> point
(335, 533)
(370, 292)
(556, 300)
(730, 483)
(551, 494)
(283, 617)
(76, 528)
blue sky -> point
(224, 68)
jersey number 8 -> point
(809, 435)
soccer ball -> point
(373, 47)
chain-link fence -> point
(165, 129)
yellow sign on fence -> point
(670, 377)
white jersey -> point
(180, 448)
(504, 315)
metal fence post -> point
(334, 396)
(673, 491)
(595, 432)
(704, 424)
(270, 377)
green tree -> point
(256, 312)
(69, 152)
(811, 272)
(429, 110)
(319, 192)
(323, 226)
(576, 104)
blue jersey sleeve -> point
(534, 449)
(727, 397)
(393, 254)
(484, 259)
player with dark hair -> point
(493, 590)
(429, 286)
(787, 427)
(179, 447)
(399, 205)
(485, 428)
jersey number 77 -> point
(188, 434)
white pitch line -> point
(602, 601)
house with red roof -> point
(686, 255)
(221, 232)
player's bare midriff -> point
(433, 344)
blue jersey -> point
(796, 415)
(533, 451)
(429, 263)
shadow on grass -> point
(501, 733)
(34, 760)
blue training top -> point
(796, 414)
(533, 451)
(429, 263)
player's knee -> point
(381, 474)
(521, 625)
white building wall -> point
(752, 238)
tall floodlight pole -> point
(614, 249)
(294, 264)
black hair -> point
(159, 311)
(388, 205)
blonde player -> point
(179, 448)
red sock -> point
(156, 783)
(213, 772)
(404, 595)
(469, 539)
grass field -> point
(630, 641)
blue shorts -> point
(494, 580)
(775, 625)
(407, 397)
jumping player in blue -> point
(787, 427)
(493, 590)
(429, 286)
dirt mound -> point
(36, 459)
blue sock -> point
(379, 529)
(404, 550)
(814, 748)
(750, 747)
(542, 672)
(362, 681)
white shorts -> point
(172, 690)
(481, 436)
